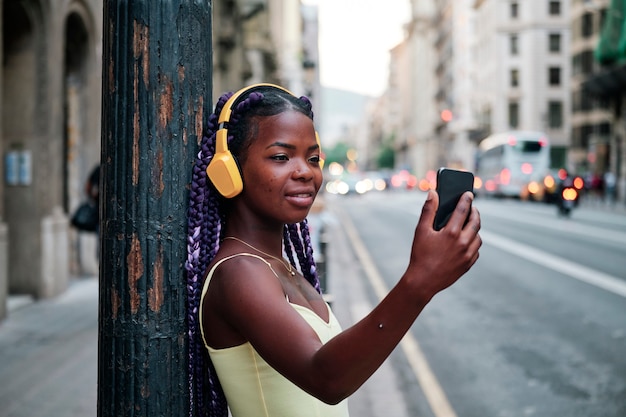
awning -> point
(612, 45)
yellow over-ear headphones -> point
(223, 170)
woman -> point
(275, 347)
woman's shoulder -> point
(240, 268)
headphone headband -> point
(221, 139)
(228, 106)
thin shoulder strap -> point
(205, 286)
(218, 263)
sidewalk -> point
(48, 354)
(48, 348)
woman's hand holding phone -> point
(440, 257)
(451, 184)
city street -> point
(536, 328)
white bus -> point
(508, 161)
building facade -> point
(51, 93)
(603, 138)
(51, 81)
(469, 69)
(522, 70)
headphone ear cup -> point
(224, 173)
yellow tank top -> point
(255, 389)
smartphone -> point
(451, 184)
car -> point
(534, 189)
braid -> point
(206, 224)
(288, 246)
(309, 262)
(307, 266)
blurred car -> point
(347, 184)
(547, 188)
(534, 189)
(403, 179)
(358, 183)
(551, 184)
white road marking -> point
(556, 263)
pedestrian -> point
(274, 346)
(92, 189)
(86, 216)
(610, 183)
(92, 185)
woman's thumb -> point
(430, 207)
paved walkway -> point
(48, 354)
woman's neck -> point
(269, 241)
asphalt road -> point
(536, 328)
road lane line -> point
(561, 225)
(564, 266)
(435, 395)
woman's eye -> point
(315, 159)
(280, 157)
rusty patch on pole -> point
(141, 37)
(155, 294)
(115, 303)
(157, 175)
(135, 272)
(145, 391)
(166, 106)
(199, 118)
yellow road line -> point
(435, 395)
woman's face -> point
(281, 169)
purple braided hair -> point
(206, 223)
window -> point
(554, 76)
(555, 8)
(514, 10)
(514, 114)
(586, 62)
(514, 77)
(583, 63)
(586, 24)
(555, 114)
(513, 46)
(554, 42)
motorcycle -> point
(568, 199)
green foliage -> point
(386, 154)
(337, 153)
(386, 157)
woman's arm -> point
(333, 371)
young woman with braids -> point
(274, 345)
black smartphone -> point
(451, 184)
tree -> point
(338, 153)
(386, 153)
(386, 157)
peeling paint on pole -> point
(135, 272)
(155, 79)
(155, 294)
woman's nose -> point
(302, 170)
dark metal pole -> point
(156, 93)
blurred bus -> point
(508, 161)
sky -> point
(355, 37)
